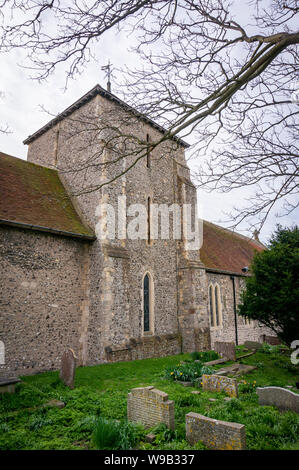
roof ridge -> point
(98, 89)
(240, 235)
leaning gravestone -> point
(226, 349)
(283, 398)
(68, 368)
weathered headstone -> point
(235, 370)
(7, 384)
(252, 345)
(226, 349)
(273, 340)
(283, 398)
(68, 368)
(218, 383)
(215, 434)
(150, 406)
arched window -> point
(215, 306)
(248, 322)
(211, 305)
(148, 151)
(146, 303)
(149, 220)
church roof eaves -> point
(33, 197)
(98, 90)
(226, 251)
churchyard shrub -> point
(204, 356)
(111, 434)
(163, 433)
(246, 387)
(188, 372)
(269, 349)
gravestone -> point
(150, 406)
(283, 398)
(226, 349)
(217, 383)
(215, 434)
(68, 368)
(7, 384)
(235, 370)
(252, 345)
(273, 340)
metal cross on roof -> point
(108, 74)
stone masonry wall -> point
(41, 298)
(150, 407)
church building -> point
(118, 298)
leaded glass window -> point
(211, 305)
(146, 302)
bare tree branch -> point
(204, 71)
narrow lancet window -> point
(217, 305)
(146, 303)
(148, 151)
(149, 220)
(211, 306)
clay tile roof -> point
(33, 196)
(225, 250)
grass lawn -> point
(101, 391)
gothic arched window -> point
(217, 301)
(146, 303)
(215, 306)
(148, 220)
(211, 306)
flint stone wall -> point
(277, 396)
(150, 406)
(215, 434)
(219, 383)
(42, 299)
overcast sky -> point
(21, 99)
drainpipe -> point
(235, 309)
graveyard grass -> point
(101, 391)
